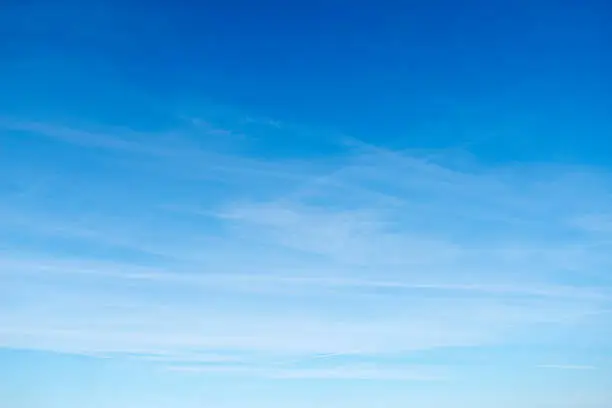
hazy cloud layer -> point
(221, 260)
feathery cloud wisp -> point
(226, 256)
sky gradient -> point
(296, 204)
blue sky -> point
(297, 204)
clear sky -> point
(296, 204)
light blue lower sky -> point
(32, 379)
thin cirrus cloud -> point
(229, 262)
(568, 367)
(342, 372)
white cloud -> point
(568, 367)
(594, 223)
(334, 373)
(368, 253)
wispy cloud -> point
(229, 257)
(568, 367)
(595, 223)
(335, 373)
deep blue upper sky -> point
(413, 73)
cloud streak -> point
(233, 258)
(336, 373)
(568, 367)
